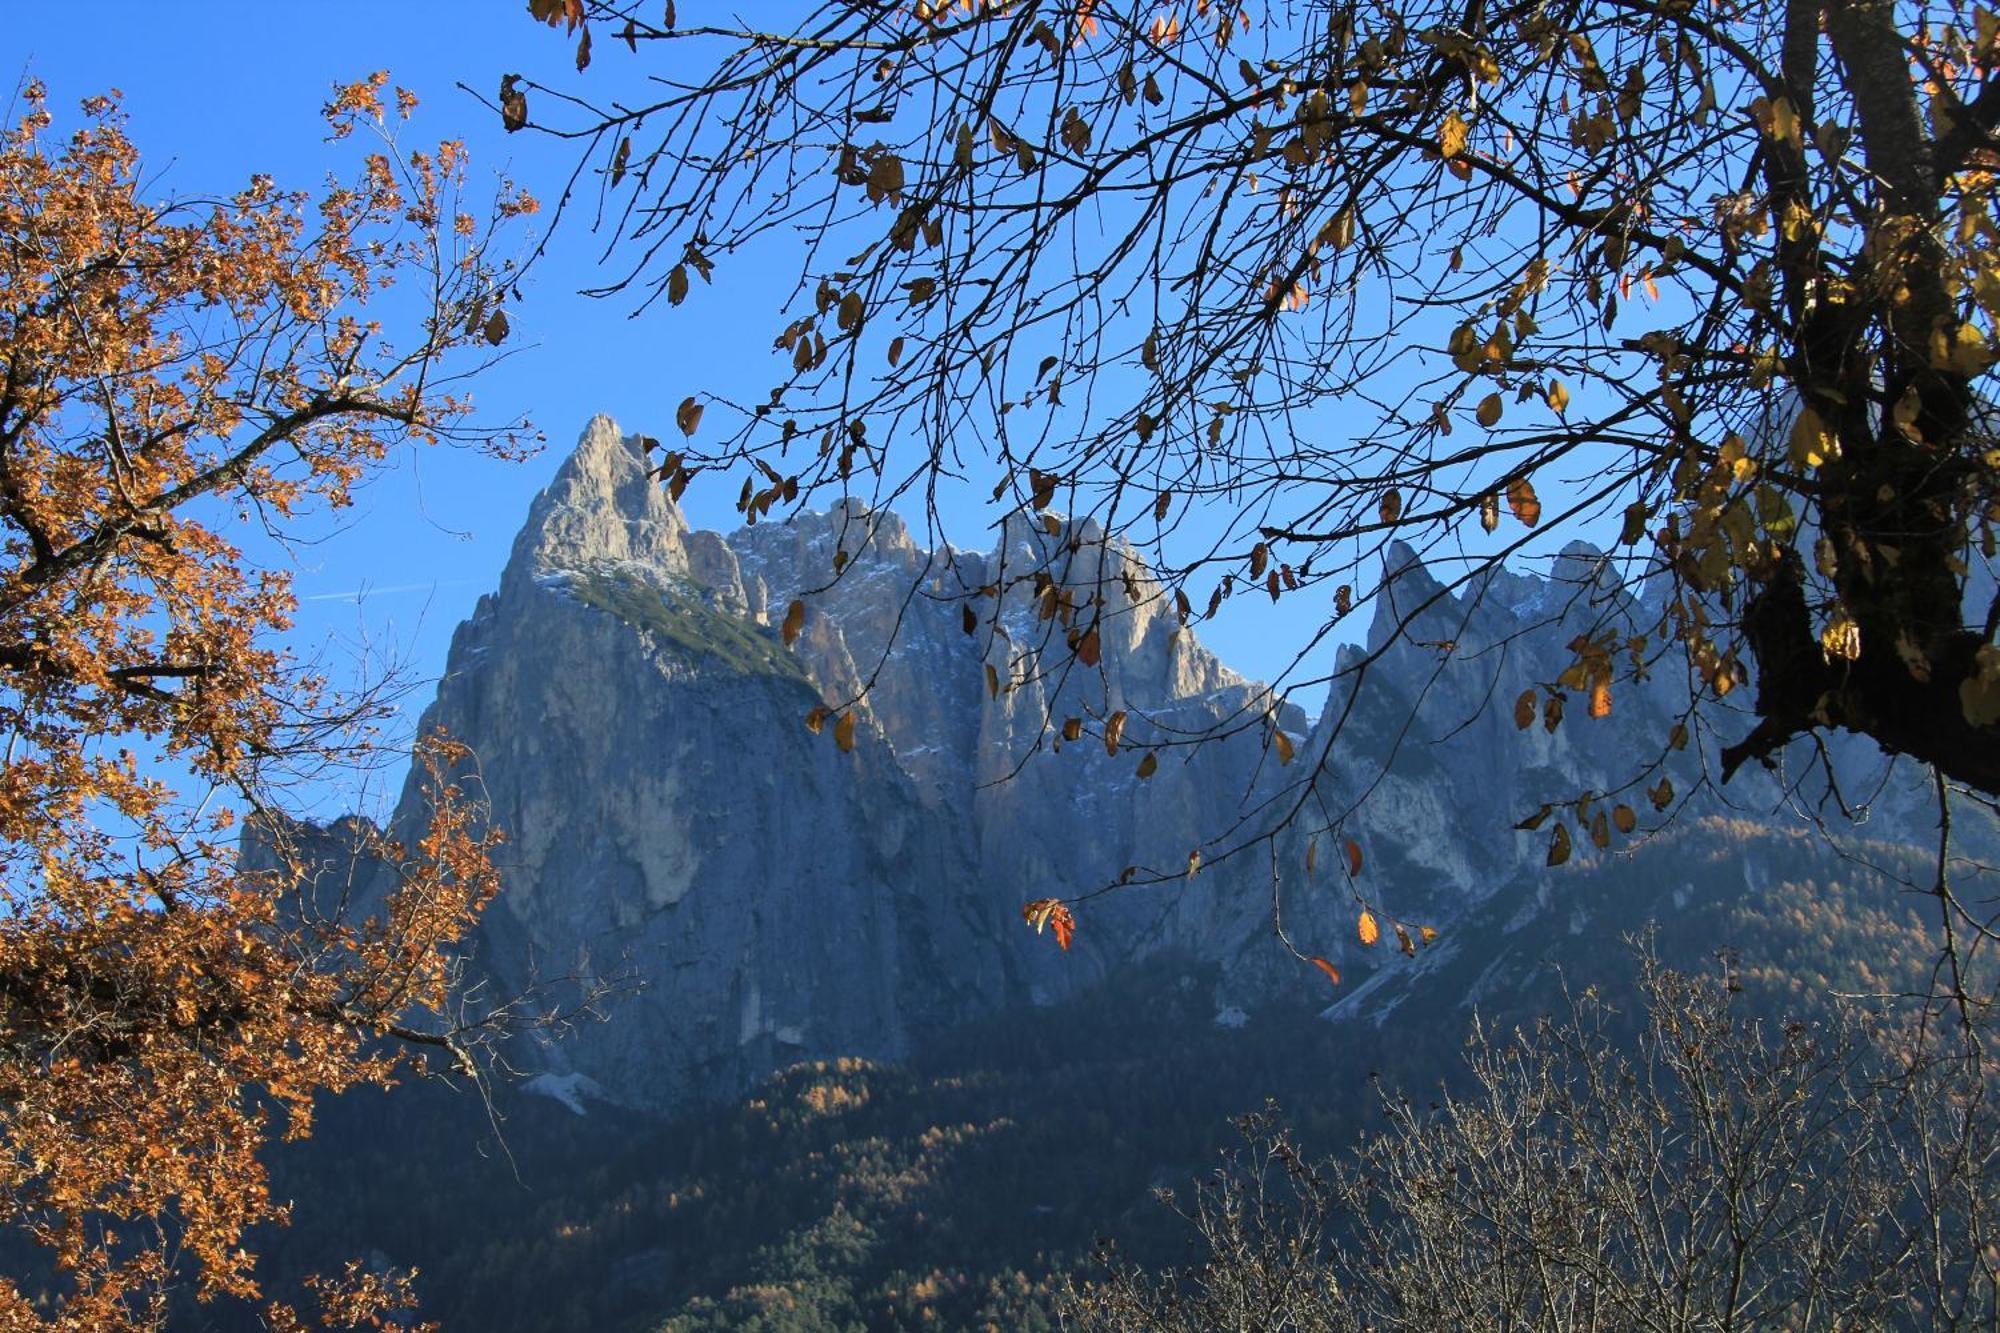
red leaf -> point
(1332, 972)
(1050, 913)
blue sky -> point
(215, 92)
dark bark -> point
(1896, 502)
(1890, 509)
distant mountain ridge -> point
(637, 721)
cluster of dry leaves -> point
(178, 378)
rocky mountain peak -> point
(782, 893)
(602, 506)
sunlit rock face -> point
(764, 896)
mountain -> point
(762, 896)
(638, 726)
(842, 1086)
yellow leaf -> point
(1811, 442)
(1785, 121)
(1600, 699)
(1842, 637)
(1368, 929)
(1283, 744)
(843, 732)
(1963, 351)
(1452, 135)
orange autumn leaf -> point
(1523, 502)
(1052, 915)
(1332, 972)
(1368, 929)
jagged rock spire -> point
(603, 505)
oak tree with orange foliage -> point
(175, 377)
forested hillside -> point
(963, 1188)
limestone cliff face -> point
(637, 722)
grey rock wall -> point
(637, 721)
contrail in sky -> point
(358, 594)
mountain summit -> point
(770, 896)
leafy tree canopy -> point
(177, 376)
